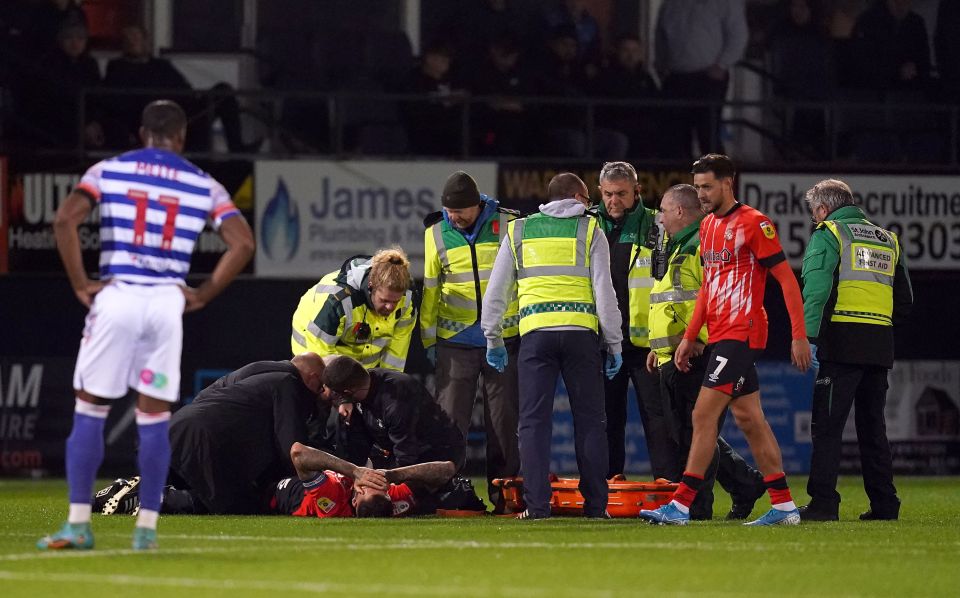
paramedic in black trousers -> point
(231, 445)
(560, 262)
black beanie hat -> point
(460, 191)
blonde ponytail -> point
(390, 269)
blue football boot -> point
(775, 517)
(668, 514)
(144, 538)
(78, 536)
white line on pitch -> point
(278, 585)
(79, 554)
(353, 543)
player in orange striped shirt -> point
(739, 246)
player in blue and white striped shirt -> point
(153, 206)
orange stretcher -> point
(626, 498)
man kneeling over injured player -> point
(327, 486)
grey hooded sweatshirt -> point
(504, 276)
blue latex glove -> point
(497, 358)
(814, 362)
(432, 355)
(614, 361)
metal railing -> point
(846, 126)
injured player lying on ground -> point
(327, 486)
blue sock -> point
(85, 450)
(154, 457)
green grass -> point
(239, 556)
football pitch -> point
(486, 557)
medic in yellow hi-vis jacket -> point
(364, 311)
(635, 240)
(460, 246)
(855, 288)
(560, 262)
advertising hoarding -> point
(924, 211)
(313, 215)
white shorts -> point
(133, 338)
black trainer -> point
(872, 515)
(601, 515)
(527, 515)
(810, 514)
(742, 509)
(125, 500)
(888, 512)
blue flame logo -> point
(280, 227)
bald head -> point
(311, 368)
(684, 196)
(680, 208)
(566, 185)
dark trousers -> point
(226, 478)
(703, 121)
(838, 387)
(655, 415)
(737, 478)
(575, 355)
(459, 367)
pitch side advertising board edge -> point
(523, 186)
(924, 211)
(31, 200)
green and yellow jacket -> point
(673, 297)
(632, 241)
(855, 287)
(456, 270)
(335, 317)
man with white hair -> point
(855, 288)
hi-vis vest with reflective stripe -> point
(639, 226)
(330, 314)
(455, 277)
(640, 280)
(868, 264)
(673, 299)
(552, 256)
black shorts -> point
(731, 368)
(288, 496)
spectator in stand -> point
(50, 99)
(842, 16)
(15, 23)
(947, 46)
(31, 26)
(137, 68)
(502, 125)
(802, 63)
(560, 75)
(891, 48)
(434, 125)
(627, 78)
(589, 47)
(472, 24)
(697, 41)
